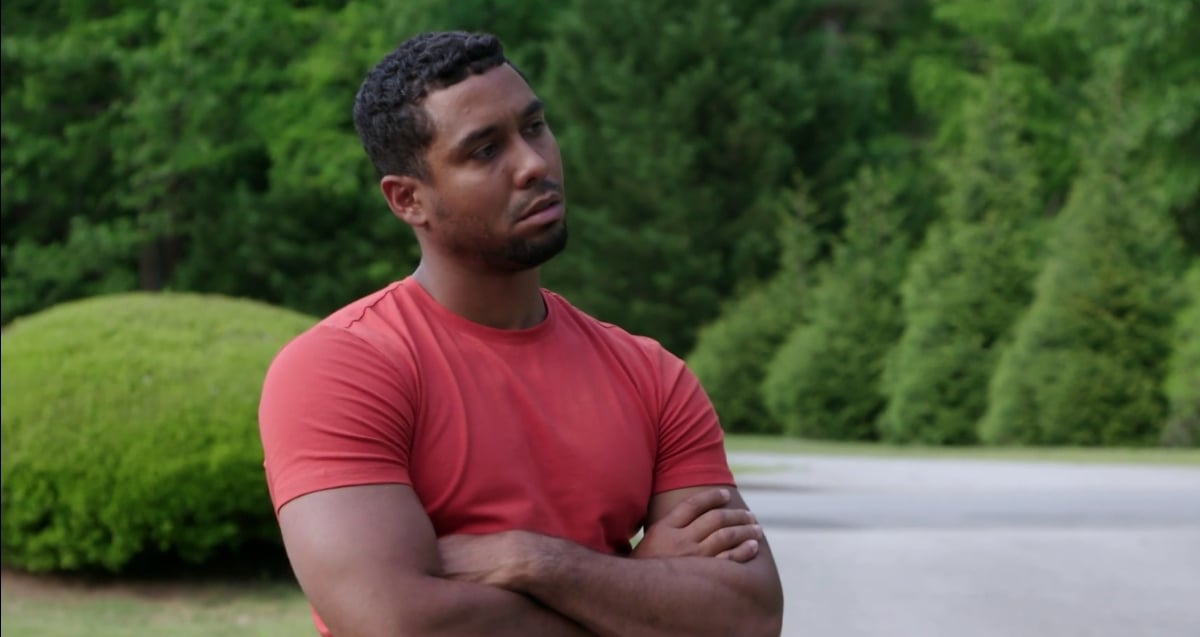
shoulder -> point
(644, 350)
(373, 327)
(344, 369)
(381, 305)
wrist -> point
(542, 560)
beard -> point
(503, 254)
(524, 253)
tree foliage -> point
(732, 353)
(971, 278)
(65, 233)
(1090, 356)
(208, 147)
(823, 381)
(1088, 361)
(704, 162)
(1183, 378)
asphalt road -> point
(900, 547)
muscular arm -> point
(672, 596)
(367, 559)
(655, 597)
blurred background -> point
(913, 223)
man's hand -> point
(496, 559)
(701, 526)
(686, 592)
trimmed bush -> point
(1183, 379)
(129, 425)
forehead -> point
(491, 98)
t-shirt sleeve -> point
(691, 444)
(334, 412)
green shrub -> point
(1183, 379)
(1088, 360)
(129, 425)
(823, 382)
(970, 280)
(732, 353)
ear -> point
(404, 195)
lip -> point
(549, 214)
(545, 210)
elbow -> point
(756, 624)
(767, 621)
(760, 615)
(761, 624)
(770, 624)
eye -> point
(535, 127)
(486, 152)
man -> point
(464, 452)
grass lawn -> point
(44, 607)
(772, 444)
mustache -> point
(546, 187)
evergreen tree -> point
(1088, 361)
(1151, 49)
(523, 27)
(1039, 55)
(970, 279)
(65, 234)
(319, 234)
(858, 61)
(674, 122)
(732, 352)
(1183, 379)
(823, 382)
(185, 140)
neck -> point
(503, 300)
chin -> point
(531, 253)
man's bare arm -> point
(367, 559)
(609, 595)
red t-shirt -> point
(565, 429)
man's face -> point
(494, 186)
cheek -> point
(469, 208)
(475, 198)
(554, 153)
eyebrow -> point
(476, 136)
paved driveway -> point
(901, 547)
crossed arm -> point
(370, 563)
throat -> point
(509, 301)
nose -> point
(532, 165)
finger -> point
(742, 553)
(729, 538)
(712, 521)
(687, 511)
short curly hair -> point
(392, 125)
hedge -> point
(129, 425)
